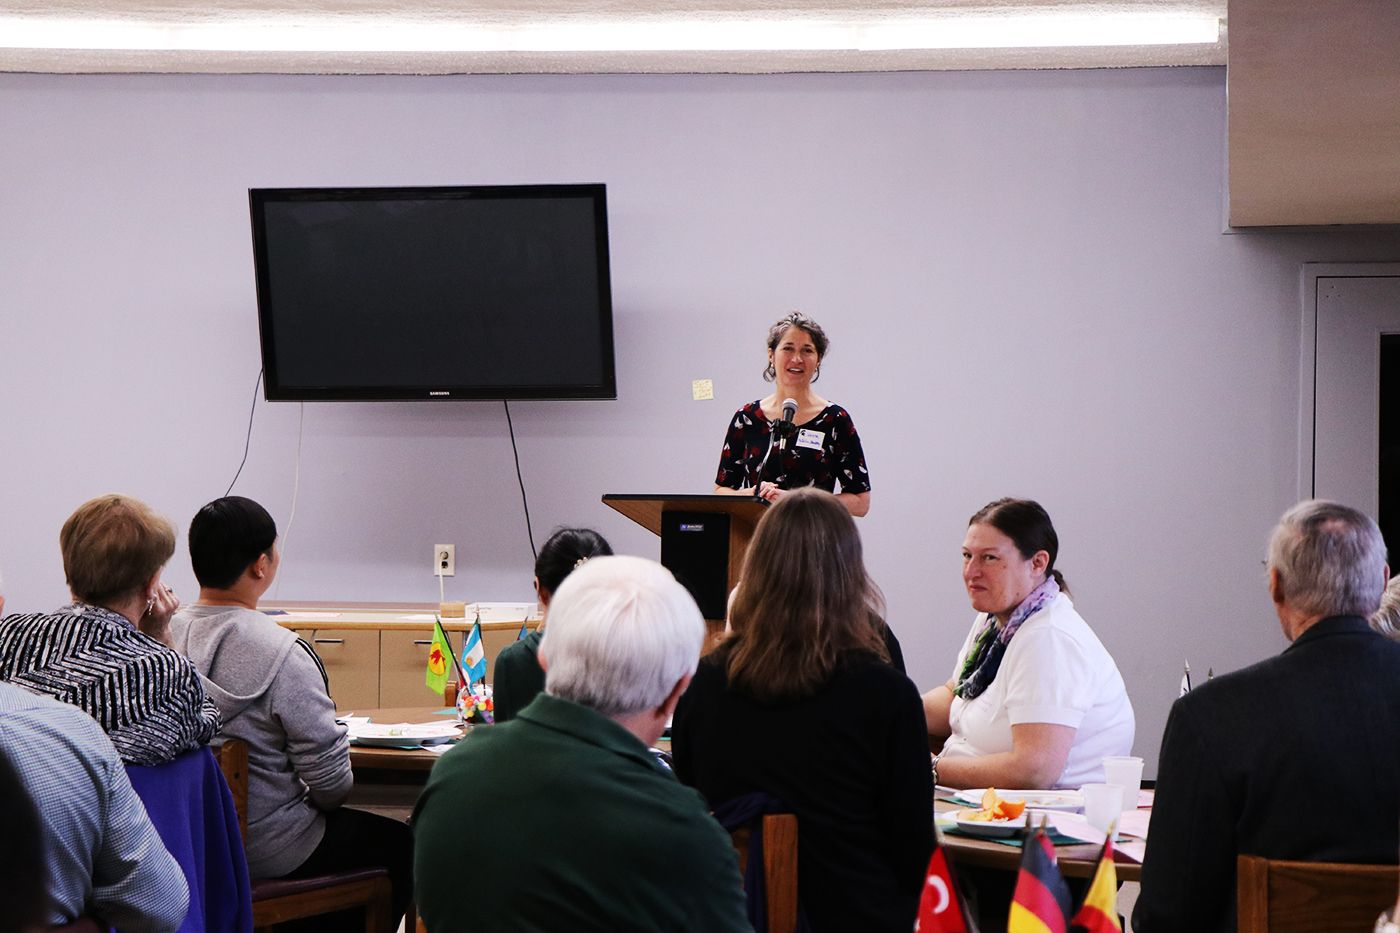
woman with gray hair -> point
(772, 447)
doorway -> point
(1350, 412)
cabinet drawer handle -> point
(422, 641)
(329, 641)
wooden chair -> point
(1311, 897)
(277, 900)
(779, 867)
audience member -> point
(109, 651)
(271, 692)
(561, 819)
(22, 855)
(1389, 920)
(519, 676)
(1386, 619)
(101, 855)
(1320, 721)
(1035, 700)
(799, 703)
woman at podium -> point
(794, 437)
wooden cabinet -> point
(351, 658)
(403, 664)
(376, 657)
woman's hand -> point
(770, 492)
(156, 621)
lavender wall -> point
(1024, 276)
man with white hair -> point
(561, 819)
(1296, 757)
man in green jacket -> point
(561, 819)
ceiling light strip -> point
(951, 32)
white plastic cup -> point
(1126, 772)
(1103, 804)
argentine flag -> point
(474, 655)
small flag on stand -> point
(1099, 912)
(524, 630)
(474, 654)
(436, 678)
(1186, 681)
(940, 907)
(1041, 902)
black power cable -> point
(525, 502)
(249, 439)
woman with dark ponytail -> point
(519, 676)
(1035, 700)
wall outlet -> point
(444, 560)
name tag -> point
(810, 439)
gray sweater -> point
(270, 689)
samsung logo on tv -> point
(691, 526)
(438, 392)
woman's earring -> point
(816, 374)
(770, 373)
(149, 603)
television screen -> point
(434, 293)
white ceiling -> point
(383, 16)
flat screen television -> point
(481, 292)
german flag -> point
(1041, 902)
(1099, 912)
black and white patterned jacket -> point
(147, 697)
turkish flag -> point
(940, 907)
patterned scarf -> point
(980, 667)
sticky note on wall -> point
(702, 389)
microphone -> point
(781, 429)
(784, 426)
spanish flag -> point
(1041, 902)
(1099, 912)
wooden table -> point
(391, 778)
(1076, 861)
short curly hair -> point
(801, 322)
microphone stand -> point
(758, 474)
(780, 429)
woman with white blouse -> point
(1035, 700)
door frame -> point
(1313, 274)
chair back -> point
(1311, 897)
(276, 900)
(232, 755)
(193, 812)
(779, 867)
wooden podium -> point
(703, 540)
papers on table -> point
(402, 734)
(1132, 827)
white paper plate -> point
(991, 829)
(398, 734)
(1071, 801)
